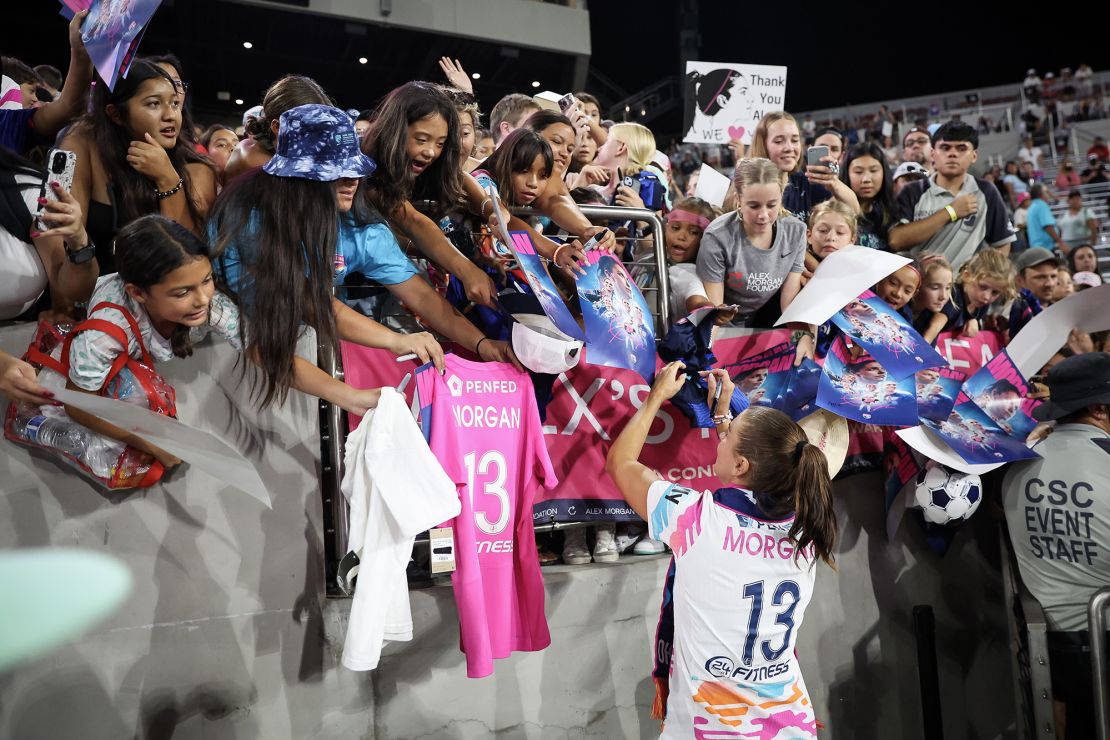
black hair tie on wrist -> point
(798, 448)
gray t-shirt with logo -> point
(1058, 513)
(751, 275)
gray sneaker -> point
(574, 549)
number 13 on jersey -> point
(493, 471)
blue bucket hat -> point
(318, 142)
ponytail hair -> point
(788, 474)
(148, 249)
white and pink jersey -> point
(482, 424)
(739, 597)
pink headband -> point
(688, 217)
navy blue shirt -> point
(800, 195)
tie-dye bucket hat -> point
(318, 142)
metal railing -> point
(1100, 675)
(1028, 629)
(333, 433)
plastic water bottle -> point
(70, 438)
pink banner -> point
(966, 355)
(588, 408)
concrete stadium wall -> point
(228, 636)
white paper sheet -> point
(197, 447)
(933, 447)
(1034, 345)
(712, 186)
(840, 277)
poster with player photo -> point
(111, 33)
(543, 286)
(859, 388)
(725, 101)
(619, 331)
(937, 388)
(876, 327)
(974, 437)
(1000, 390)
(764, 377)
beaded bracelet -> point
(162, 195)
(555, 257)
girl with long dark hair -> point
(866, 172)
(414, 139)
(275, 233)
(745, 561)
(132, 160)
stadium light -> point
(238, 101)
(476, 76)
(535, 83)
(248, 45)
(363, 60)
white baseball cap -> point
(541, 347)
(255, 111)
(829, 433)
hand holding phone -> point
(815, 154)
(60, 167)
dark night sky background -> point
(834, 58)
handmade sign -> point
(725, 101)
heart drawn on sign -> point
(735, 132)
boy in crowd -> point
(952, 213)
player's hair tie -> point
(798, 448)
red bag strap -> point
(40, 358)
(130, 320)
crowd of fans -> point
(243, 228)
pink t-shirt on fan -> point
(482, 424)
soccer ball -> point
(947, 496)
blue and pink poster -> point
(763, 378)
(976, 438)
(880, 330)
(1000, 391)
(112, 32)
(543, 286)
(861, 389)
(937, 388)
(619, 331)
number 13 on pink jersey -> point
(493, 468)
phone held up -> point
(60, 166)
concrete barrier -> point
(228, 634)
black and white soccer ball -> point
(946, 496)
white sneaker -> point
(605, 544)
(648, 546)
(574, 549)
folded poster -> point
(111, 33)
(885, 334)
(839, 278)
(976, 438)
(1000, 391)
(619, 325)
(764, 377)
(543, 286)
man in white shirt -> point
(1030, 153)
